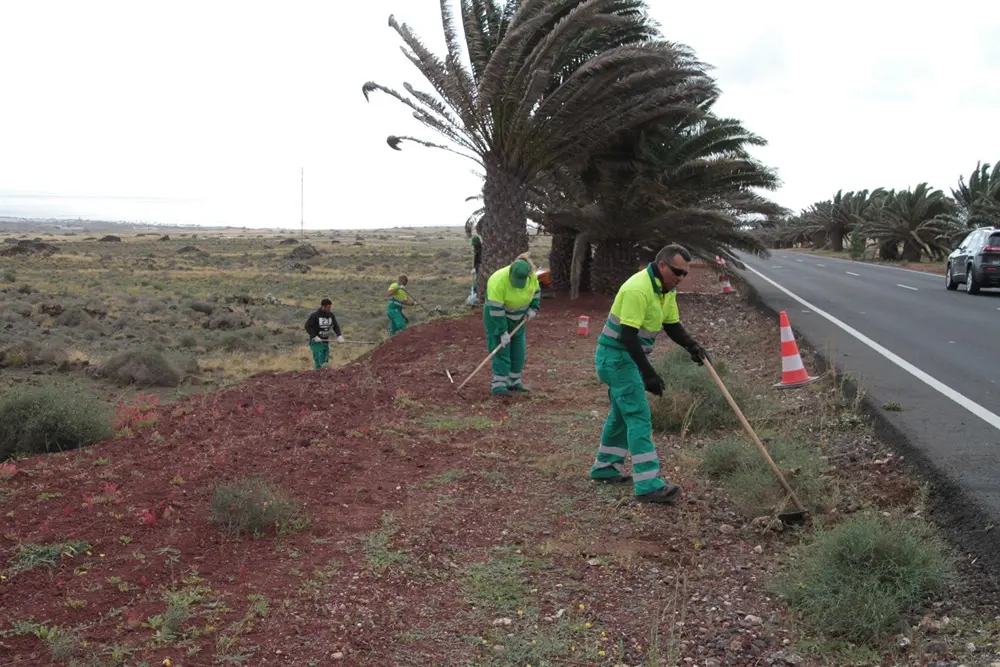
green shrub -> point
(31, 555)
(251, 506)
(202, 307)
(857, 241)
(29, 353)
(145, 367)
(857, 580)
(692, 401)
(752, 484)
(73, 317)
(43, 419)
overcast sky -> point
(207, 110)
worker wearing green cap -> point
(512, 294)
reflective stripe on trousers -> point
(629, 426)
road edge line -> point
(963, 401)
(951, 507)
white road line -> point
(799, 260)
(823, 265)
(907, 287)
(778, 266)
(883, 266)
(932, 382)
(850, 273)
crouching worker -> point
(512, 294)
(318, 327)
(645, 304)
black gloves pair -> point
(654, 383)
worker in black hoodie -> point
(318, 327)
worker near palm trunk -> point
(397, 296)
(477, 260)
(512, 294)
(318, 327)
(645, 304)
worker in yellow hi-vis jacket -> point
(645, 304)
(397, 297)
(512, 294)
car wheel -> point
(971, 284)
(949, 281)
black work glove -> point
(654, 384)
(698, 353)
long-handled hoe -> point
(487, 359)
(436, 309)
(797, 516)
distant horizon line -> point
(207, 226)
(21, 194)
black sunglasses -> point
(680, 273)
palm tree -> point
(691, 182)
(828, 222)
(787, 231)
(546, 82)
(921, 219)
(979, 201)
(473, 224)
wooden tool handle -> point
(753, 435)
(492, 354)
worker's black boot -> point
(663, 496)
(619, 479)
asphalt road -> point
(910, 342)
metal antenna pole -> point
(302, 200)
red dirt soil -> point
(315, 435)
(344, 445)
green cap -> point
(519, 272)
(475, 240)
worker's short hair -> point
(668, 252)
(326, 302)
(403, 279)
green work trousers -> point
(629, 428)
(509, 361)
(397, 320)
(321, 354)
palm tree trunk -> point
(888, 251)
(580, 266)
(614, 261)
(837, 233)
(561, 259)
(911, 251)
(505, 221)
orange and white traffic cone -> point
(727, 288)
(793, 371)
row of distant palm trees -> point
(897, 224)
(584, 119)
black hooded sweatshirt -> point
(320, 323)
